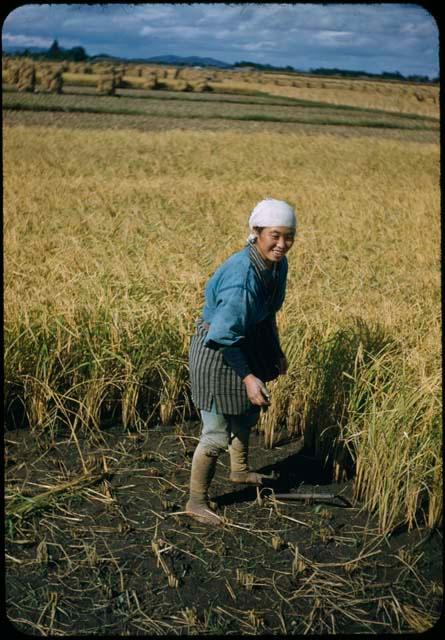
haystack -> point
(182, 85)
(12, 74)
(202, 86)
(106, 85)
(51, 79)
(150, 82)
(27, 77)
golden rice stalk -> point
(190, 616)
(298, 563)
(245, 578)
(278, 543)
(418, 620)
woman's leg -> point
(214, 439)
(239, 450)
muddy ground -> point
(105, 548)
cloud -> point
(335, 38)
(26, 41)
(257, 45)
(402, 36)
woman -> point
(236, 349)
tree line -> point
(344, 73)
(55, 52)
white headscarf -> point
(271, 213)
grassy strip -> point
(283, 102)
(347, 107)
(17, 106)
(287, 102)
(265, 100)
(330, 121)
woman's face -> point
(274, 242)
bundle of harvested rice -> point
(150, 82)
(182, 85)
(202, 86)
(106, 85)
(104, 69)
(12, 74)
(27, 78)
(118, 78)
(147, 72)
(51, 79)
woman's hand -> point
(256, 390)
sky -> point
(372, 37)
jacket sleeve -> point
(234, 356)
(231, 318)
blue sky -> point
(370, 37)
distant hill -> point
(190, 60)
(164, 59)
(169, 59)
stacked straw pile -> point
(79, 67)
(202, 86)
(12, 74)
(26, 77)
(150, 79)
(51, 79)
(183, 85)
(106, 85)
(119, 73)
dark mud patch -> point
(108, 551)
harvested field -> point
(108, 551)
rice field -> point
(109, 238)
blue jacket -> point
(237, 299)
